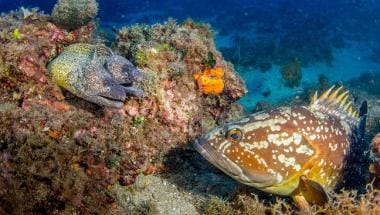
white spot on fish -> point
(323, 174)
(279, 178)
(278, 140)
(262, 124)
(275, 128)
(288, 161)
(261, 160)
(333, 147)
(312, 137)
(297, 138)
(261, 116)
(226, 147)
(221, 145)
(256, 145)
(297, 167)
(321, 162)
(303, 149)
(284, 134)
(318, 130)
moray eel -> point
(94, 73)
(295, 151)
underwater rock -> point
(262, 106)
(375, 145)
(63, 154)
(292, 74)
(322, 82)
(72, 14)
(80, 69)
(169, 55)
(266, 92)
(155, 195)
(23, 61)
(374, 167)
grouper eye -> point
(234, 135)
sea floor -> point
(348, 63)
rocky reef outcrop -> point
(61, 154)
(72, 14)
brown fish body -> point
(272, 150)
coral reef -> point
(24, 59)
(346, 202)
(72, 14)
(374, 168)
(29, 135)
(63, 155)
(292, 74)
(170, 54)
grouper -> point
(298, 151)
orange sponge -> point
(210, 81)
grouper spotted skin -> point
(295, 151)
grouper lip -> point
(209, 154)
(229, 167)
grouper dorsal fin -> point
(334, 103)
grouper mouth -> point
(229, 167)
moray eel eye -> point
(234, 135)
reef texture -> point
(169, 55)
(72, 14)
(63, 155)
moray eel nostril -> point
(96, 74)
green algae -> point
(141, 58)
(138, 120)
(16, 34)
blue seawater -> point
(335, 41)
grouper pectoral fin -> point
(302, 204)
(312, 191)
(309, 192)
